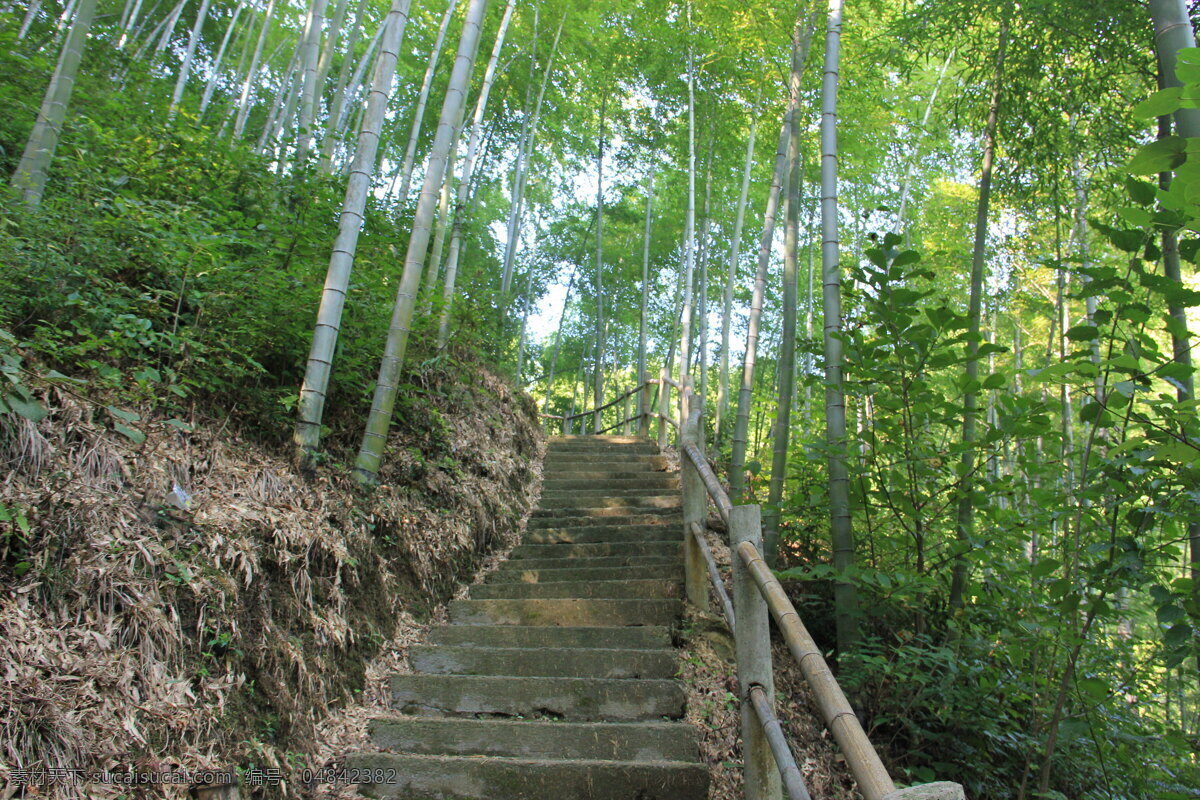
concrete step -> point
(601, 462)
(586, 468)
(533, 577)
(576, 699)
(620, 588)
(594, 550)
(667, 562)
(582, 504)
(604, 533)
(534, 739)
(581, 662)
(642, 448)
(599, 482)
(610, 438)
(593, 516)
(661, 517)
(469, 778)
(646, 637)
(590, 477)
(565, 611)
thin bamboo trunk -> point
(906, 184)
(557, 342)
(702, 289)
(689, 231)
(188, 56)
(370, 454)
(286, 80)
(31, 14)
(516, 193)
(731, 284)
(410, 152)
(327, 52)
(524, 321)
(1173, 32)
(965, 524)
(464, 184)
(34, 167)
(434, 262)
(786, 362)
(337, 280)
(343, 122)
(598, 376)
(737, 468)
(332, 133)
(211, 85)
(310, 96)
(644, 396)
(239, 124)
(840, 523)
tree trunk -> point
(464, 184)
(370, 454)
(333, 130)
(335, 30)
(644, 395)
(702, 288)
(434, 262)
(31, 14)
(337, 280)
(557, 342)
(410, 152)
(787, 342)
(524, 322)
(689, 232)
(286, 82)
(965, 525)
(840, 527)
(34, 167)
(211, 85)
(741, 431)
(310, 98)
(1173, 32)
(731, 284)
(906, 184)
(343, 122)
(186, 67)
(239, 124)
(598, 375)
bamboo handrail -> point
(720, 498)
(714, 575)
(793, 780)
(609, 404)
(873, 779)
(619, 424)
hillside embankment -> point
(183, 599)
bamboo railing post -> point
(752, 638)
(643, 408)
(664, 407)
(695, 508)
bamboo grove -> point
(930, 267)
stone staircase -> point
(554, 680)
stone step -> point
(618, 588)
(631, 488)
(600, 482)
(591, 468)
(591, 515)
(593, 550)
(584, 504)
(415, 777)
(661, 517)
(602, 462)
(577, 699)
(646, 637)
(604, 533)
(565, 611)
(593, 562)
(610, 438)
(573, 662)
(533, 577)
(535, 739)
(617, 473)
(642, 448)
